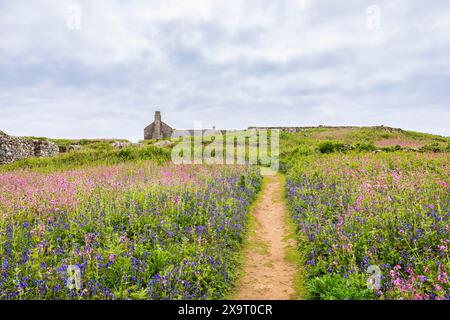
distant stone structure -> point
(197, 132)
(301, 129)
(121, 144)
(157, 129)
(16, 148)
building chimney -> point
(157, 115)
(157, 133)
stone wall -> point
(16, 148)
(301, 129)
(45, 148)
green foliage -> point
(435, 147)
(330, 147)
(392, 148)
(336, 287)
(148, 142)
(364, 147)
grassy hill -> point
(293, 146)
(323, 140)
(370, 199)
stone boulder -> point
(74, 147)
(121, 144)
(163, 143)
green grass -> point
(97, 154)
(82, 142)
(294, 256)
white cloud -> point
(230, 64)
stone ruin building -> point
(16, 148)
(157, 129)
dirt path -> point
(267, 271)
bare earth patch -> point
(267, 272)
(338, 133)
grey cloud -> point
(229, 65)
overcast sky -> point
(231, 64)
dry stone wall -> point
(301, 129)
(16, 148)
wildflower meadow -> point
(133, 231)
(388, 212)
